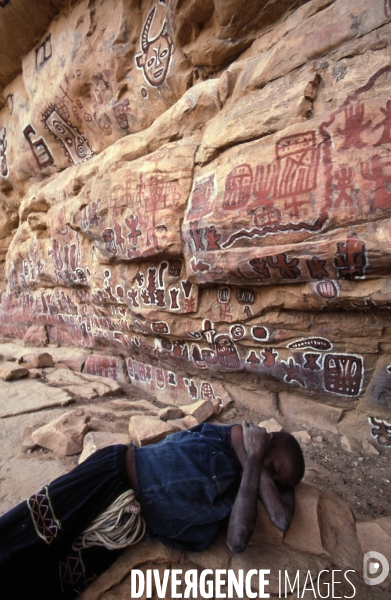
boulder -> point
(201, 410)
(82, 385)
(38, 360)
(36, 336)
(34, 374)
(354, 425)
(270, 425)
(302, 436)
(27, 395)
(10, 371)
(65, 434)
(109, 425)
(170, 413)
(317, 439)
(114, 410)
(304, 533)
(186, 423)
(72, 358)
(337, 526)
(265, 532)
(309, 413)
(370, 448)
(351, 445)
(145, 430)
(259, 401)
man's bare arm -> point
(244, 512)
(279, 503)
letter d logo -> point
(371, 568)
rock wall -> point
(202, 194)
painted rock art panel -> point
(207, 223)
(104, 366)
(68, 252)
(380, 431)
(134, 211)
(39, 148)
(333, 175)
(171, 387)
(26, 267)
(75, 145)
(155, 57)
(93, 78)
(145, 288)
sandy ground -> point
(361, 480)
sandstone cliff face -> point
(203, 194)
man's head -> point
(284, 460)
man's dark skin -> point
(269, 474)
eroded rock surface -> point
(196, 198)
(218, 219)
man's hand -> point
(256, 439)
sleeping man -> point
(187, 487)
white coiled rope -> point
(119, 526)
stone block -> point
(36, 336)
(170, 413)
(265, 532)
(65, 434)
(307, 412)
(62, 365)
(260, 402)
(201, 410)
(338, 532)
(27, 395)
(270, 425)
(370, 448)
(82, 385)
(145, 430)
(317, 439)
(186, 423)
(72, 358)
(34, 374)
(10, 371)
(108, 425)
(351, 445)
(355, 426)
(38, 360)
(303, 437)
(304, 533)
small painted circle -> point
(144, 92)
(237, 332)
(259, 332)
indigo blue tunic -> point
(187, 485)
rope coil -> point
(119, 526)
